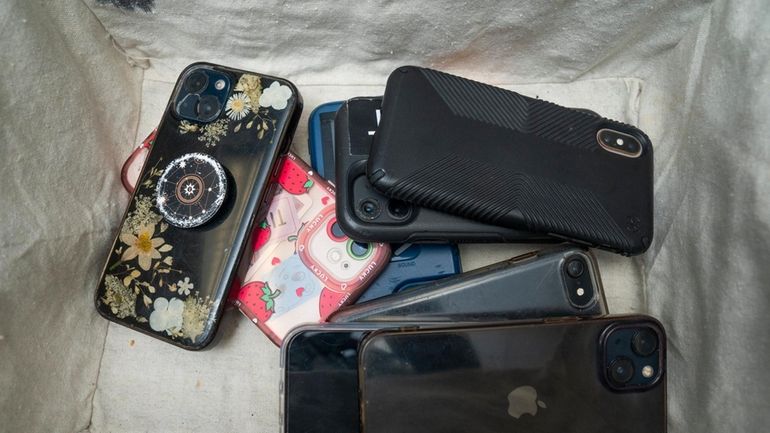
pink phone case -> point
(303, 267)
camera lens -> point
(336, 232)
(208, 108)
(196, 82)
(369, 209)
(399, 209)
(621, 370)
(359, 250)
(645, 342)
(575, 268)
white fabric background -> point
(83, 81)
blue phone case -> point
(409, 267)
(320, 133)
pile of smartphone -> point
(352, 267)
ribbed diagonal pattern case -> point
(496, 156)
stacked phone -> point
(352, 267)
(522, 345)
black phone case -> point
(493, 155)
(531, 377)
(353, 127)
(173, 284)
(524, 287)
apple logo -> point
(523, 400)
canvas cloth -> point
(83, 81)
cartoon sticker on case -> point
(303, 267)
(295, 282)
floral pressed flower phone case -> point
(304, 268)
(188, 221)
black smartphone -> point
(496, 156)
(188, 221)
(562, 281)
(364, 213)
(595, 375)
(319, 378)
(320, 382)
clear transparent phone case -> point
(532, 285)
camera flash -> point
(619, 141)
(220, 84)
(580, 291)
(647, 371)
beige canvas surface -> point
(83, 81)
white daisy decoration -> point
(238, 106)
(185, 286)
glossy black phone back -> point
(536, 377)
(171, 282)
(496, 156)
(354, 128)
(524, 287)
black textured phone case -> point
(353, 125)
(170, 282)
(496, 156)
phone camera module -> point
(632, 357)
(578, 282)
(645, 342)
(621, 370)
(196, 82)
(369, 209)
(575, 268)
(202, 95)
(619, 143)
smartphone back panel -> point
(170, 280)
(532, 285)
(395, 221)
(496, 156)
(541, 377)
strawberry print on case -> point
(303, 267)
